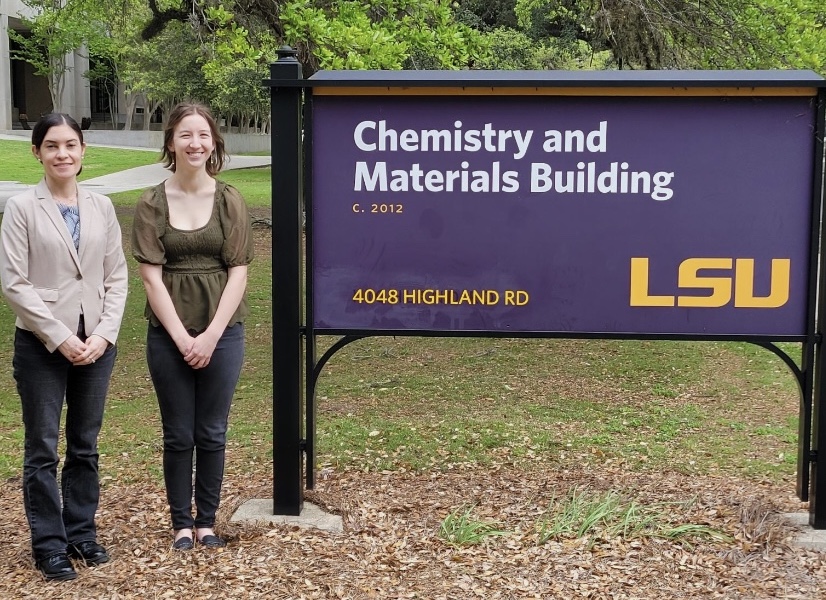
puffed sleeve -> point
(148, 227)
(237, 227)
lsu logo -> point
(738, 284)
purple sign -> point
(664, 215)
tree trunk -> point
(57, 82)
(131, 102)
(147, 116)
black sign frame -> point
(296, 365)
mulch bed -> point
(390, 547)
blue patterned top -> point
(71, 216)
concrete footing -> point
(311, 516)
(807, 537)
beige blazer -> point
(49, 284)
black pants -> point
(194, 406)
(63, 514)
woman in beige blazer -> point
(64, 275)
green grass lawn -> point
(409, 404)
(429, 402)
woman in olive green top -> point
(192, 238)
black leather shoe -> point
(91, 553)
(56, 567)
(182, 543)
(212, 541)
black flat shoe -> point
(183, 543)
(212, 541)
(57, 568)
(91, 553)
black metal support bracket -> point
(804, 378)
(312, 380)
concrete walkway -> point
(137, 178)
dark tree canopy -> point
(489, 13)
(647, 34)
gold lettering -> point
(720, 286)
(744, 284)
(516, 297)
(639, 286)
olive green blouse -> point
(195, 262)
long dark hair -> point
(184, 109)
(46, 122)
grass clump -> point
(462, 528)
(607, 516)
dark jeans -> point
(44, 379)
(194, 406)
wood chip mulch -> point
(390, 547)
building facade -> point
(24, 93)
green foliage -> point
(168, 68)
(218, 51)
(222, 48)
(461, 528)
(380, 34)
(790, 34)
(683, 34)
(118, 25)
(234, 66)
(606, 516)
(513, 49)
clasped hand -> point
(197, 351)
(79, 352)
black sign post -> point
(817, 413)
(287, 290)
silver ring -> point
(92, 359)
